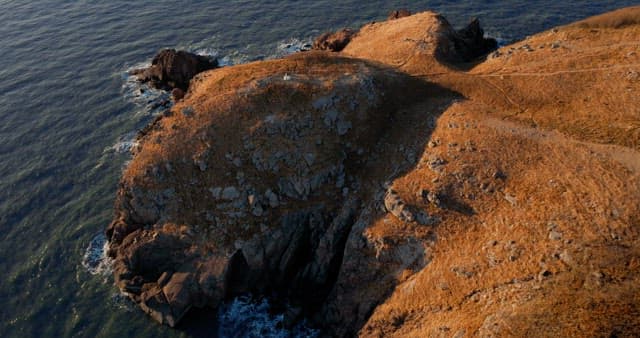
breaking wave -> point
(95, 259)
(251, 318)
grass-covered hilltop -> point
(406, 179)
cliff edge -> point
(408, 185)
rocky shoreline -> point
(337, 179)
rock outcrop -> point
(424, 40)
(174, 69)
(470, 42)
(385, 190)
(334, 41)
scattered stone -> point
(462, 272)
(202, 165)
(254, 204)
(469, 43)
(272, 198)
(343, 127)
(188, 111)
(216, 192)
(499, 175)
(555, 235)
(396, 206)
(309, 158)
(511, 199)
(566, 258)
(527, 48)
(495, 54)
(230, 193)
(544, 274)
(436, 163)
(177, 94)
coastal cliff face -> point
(401, 187)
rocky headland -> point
(406, 179)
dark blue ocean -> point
(68, 112)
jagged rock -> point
(334, 42)
(430, 196)
(470, 42)
(422, 218)
(255, 205)
(174, 69)
(309, 158)
(230, 193)
(272, 198)
(397, 14)
(343, 127)
(178, 293)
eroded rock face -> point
(174, 69)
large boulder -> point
(174, 69)
(334, 41)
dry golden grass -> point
(506, 248)
(616, 19)
(561, 122)
(539, 231)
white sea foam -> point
(124, 145)
(247, 317)
(290, 46)
(122, 301)
(207, 51)
(149, 100)
(95, 259)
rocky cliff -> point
(406, 185)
